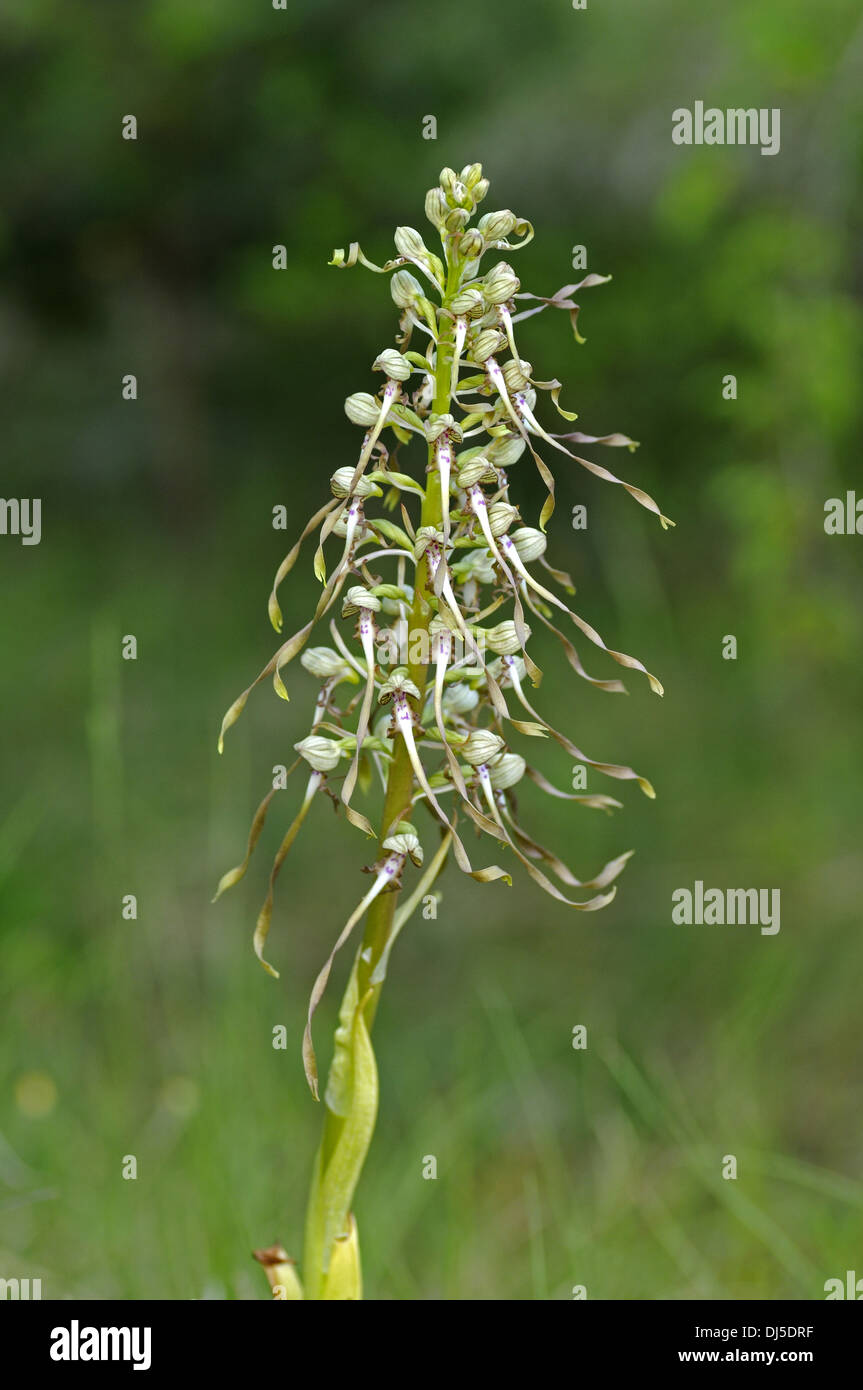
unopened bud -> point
(471, 175)
(472, 244)
(322, 754)
(476, 470)
(448, 179)
(481, 747)
(516, 374)
(324, 663)
(405, 289)
(396, 367)
(340, 484)
(460, 698)
(457, 220)
(466, 302)
(486, 344)
(436, 207)
(507, 770)
(362, 409)
(410, 243)
(500, 284)
(529, 542)
(503, 639)
(495, 226)
(501, 515)
(506, 450)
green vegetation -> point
(154, 1037)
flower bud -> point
(472, 244)
(506, 450)
(529, 542)
(357, 597)
(396, 367)
(466, 302)
(457, 220)
(436, 207)
(481, 747)
(410, 243)
(501, 515)
(461, 196)
(471, 175)
(486, 344)
(495, 226)
(508, 770)
(448, 179)
(324, 663)
(476, 470)
(500, 284)
(460, 698)
(362, 409)
(516, 374)
(340, 484)
(405, 289)
(503, 639)
(322, 754)
(480, 189)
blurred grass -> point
(153, 1037)
(555, 1167)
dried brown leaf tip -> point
(281, 1272)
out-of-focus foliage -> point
(153, 1036)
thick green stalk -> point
(400, 782)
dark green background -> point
(153, 1038)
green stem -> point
(400, 782)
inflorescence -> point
(425, 681)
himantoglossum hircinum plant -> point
(430, 583)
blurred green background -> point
(153, 1037)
